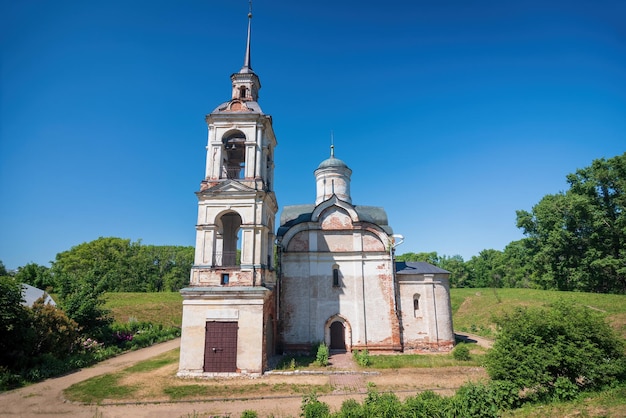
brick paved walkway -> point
(349, 381)
(341, 360)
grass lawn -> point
(165, 308)
(473, 309)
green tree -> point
(516, 264)
(84, 304)
(108, 260)
(578, 237)
(13, 321)
(486, 269)
(3, 269)
(563, 346)
(431, 257)
(459, 273)
(35, 275)
(119, 265)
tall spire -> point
(246, 83)
(332, 145)
(247, 66)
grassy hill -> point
(473, 309)
(164, 308)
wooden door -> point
(220, 347)
(337, 336)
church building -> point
(328, 275)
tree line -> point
(113, 265)
(575, 240)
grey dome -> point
(332, 162)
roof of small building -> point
(31, 294)
(295, 214)
(417, 267)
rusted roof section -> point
(252, 107)
(417, 267)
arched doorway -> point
(338, 333)
(337, 336)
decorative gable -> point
(335, 218)
(228, 186)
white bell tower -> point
(229, 308)
(236, 202)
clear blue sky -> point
(451, 114)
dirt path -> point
(45, 399)
(474, 339)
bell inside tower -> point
(234, 156)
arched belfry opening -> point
(226, 254)
(234, 163)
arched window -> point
(416, 304)
(336, 282)
(242, 92)
(234, 155)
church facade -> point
(326, 274)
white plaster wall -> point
(431, 324)
(249, 316)
(363, 299)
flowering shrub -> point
(90, 344)
(121, 336)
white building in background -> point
(335, 280)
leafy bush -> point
(313, 408)
(350, 408)
(362, 357)
(427, 404)
(321, 358)
(564, 389)
(461, 352)
(249, 414)
(474, 400)
(82, 303)
(536, 348)
(385, 405)
(134, 335)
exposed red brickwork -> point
(299, 243)
(386, 284)
(269, 321)
(425, 347)
(372, 243)
(213, 277)
(337, 220)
